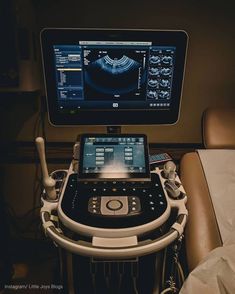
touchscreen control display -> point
(114, 157)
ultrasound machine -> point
(112, 213)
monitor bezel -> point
(132, 177)
(54, 36)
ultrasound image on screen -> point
(114, 73)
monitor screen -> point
(113, 77)
(114, 157)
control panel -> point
(114, 205)
(91, 204)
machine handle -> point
(86, 248)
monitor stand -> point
(113, 129)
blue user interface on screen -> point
(114, 74)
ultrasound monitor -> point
(113, 77)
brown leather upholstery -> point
(219, 128)
(202, 234)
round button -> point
(114, 205)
